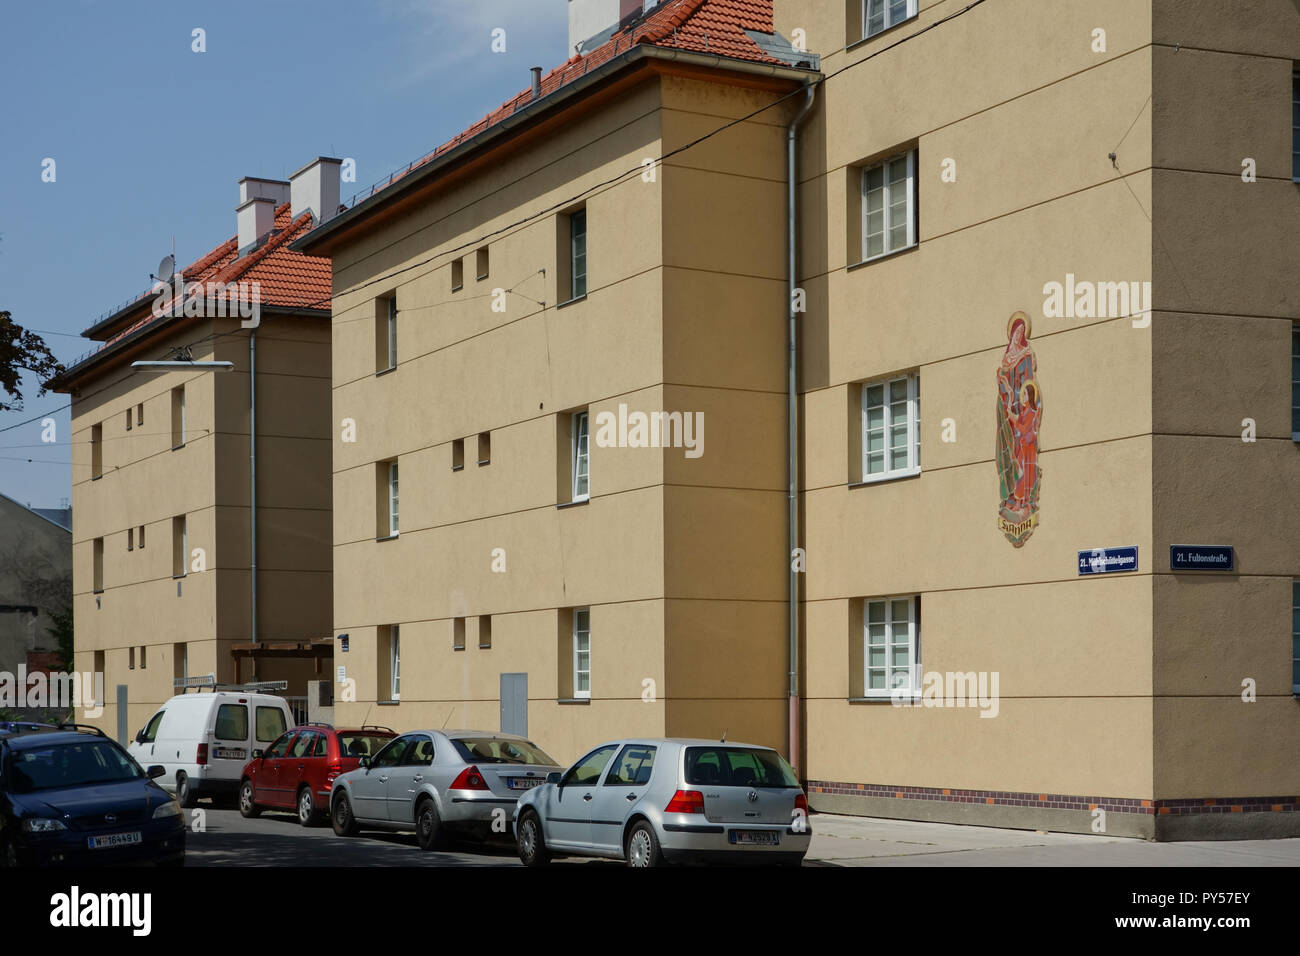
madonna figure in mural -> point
(1020, 414)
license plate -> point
(113, 839)
(228, 753)
(524, 783)
(755, 837)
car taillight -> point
(469, 779)
(686, 801)
(332, 773)
(201, 757)
(801, 803)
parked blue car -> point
(70, 796)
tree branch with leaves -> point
(22, 351)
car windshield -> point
(494, 750)
(737, 767)
(362, 745)
(79, 764)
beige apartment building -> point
(1061, 595)
(165, 508)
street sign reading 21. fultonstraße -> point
(1201, 557)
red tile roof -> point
(699, 26)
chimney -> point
(592, 22)
(315, 189)
(255, 213)
(537, 81)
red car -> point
(298, 770)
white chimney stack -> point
(255, 214)
(591, 22)
(315, 189)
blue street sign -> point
(1108, 560)
(1201, 557)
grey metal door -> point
(514, 704)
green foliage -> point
(22, 351)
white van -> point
(204, 739)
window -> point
(232, 722)
(386, 499)
(891, 639)
(150, 732)
(880, 15)
(1295, 382)
(1295, 637)
(481, 263)
(180, 661)
(1295, 126)
(458, 454)
(386, 333)
(580, 458)
(178, 416)
(98, 558)
(99, 669)
(484, 447)
(420, 753)
(303, 744)
(390, 662)
(270, 723)
(889, 206)
(392, 755)
(588, 770)
(278, 748)
(633, 767)
(128, 419)
(578, 254)
(458, 634)
(582, 653)
(457, 275)
(891, 428)
(130, 539)
(485, 630)
(96, 451)
(322, 747)
(130, 658)
(144, 654)
(139, 414)
(140, 537)
(179, 545)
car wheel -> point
(308, 815)
(345, 824)
(428, 826)
(642, 848)
(532, 846)
(184, 792)
(247, 807)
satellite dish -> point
(166, 269)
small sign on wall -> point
(343, 643)
(343, 674)
(1108, 560)
(1201, 557)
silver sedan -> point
(436, 782)
(655, 801)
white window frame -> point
(580, 453)
(913, 466)
(1295, 381)
(1295, 635)
(184, 425)
(887, 23)
(887, 188)
(394, 662)
(913, 686)
(573, 254)
(392, 332)
(394, 518)
(1295, 127)
(579, 613)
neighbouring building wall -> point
(1229, 297)
(1014, 95)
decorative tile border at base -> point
(1062, 801)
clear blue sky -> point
(150, 138)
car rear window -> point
(362, 745)
(737, 767)
(494, 750)
(232, 722)
(270, 723)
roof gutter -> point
(426, 174)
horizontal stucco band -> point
(1197, 818)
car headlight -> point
(42, 825)
(169, 809)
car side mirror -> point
(156, 771)
(365, 762)
(553, 777)
(259, 754)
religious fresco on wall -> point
(1020, 415)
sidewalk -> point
(872, 841)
